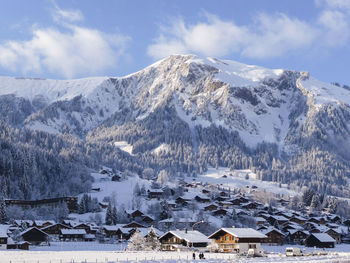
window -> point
(252, 245)
(227, 238)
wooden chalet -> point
(178, 240)
(298, 219)
(3, 239)
(55, 230)
(274, 236)
(220, 212)
(134, 225)
(321, 240)
(72, 234)
(155, 193)
(42, 223)
(297, 236)
(277, 220)
(211, 207)
(113, 231)
(134, 214)
(202, 199)
(34, 236)
(84, 226)
(250, 205)
(238, 240)
(336, 234)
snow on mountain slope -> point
(261, 104)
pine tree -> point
(315, 203)
(136, 242)
(151, 241)
(3, 214)
(109, 215)
(114, 216)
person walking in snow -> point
(194, 255)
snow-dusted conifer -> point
(3, 214)
(109, 215)
(152, 241)
(136, 242)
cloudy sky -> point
(80, 38)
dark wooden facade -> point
(34, 236)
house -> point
(155, 193)
(260, 220)
(133, 214)
(280, 220)
(42, 223)
(321, 240)
(202, 199)
(220, 212)
(297, 236)
(178, 240)
(84, 226)
(250, 205)
(54, 229)
(335, 233)
(34, 236)
(112, 231)
(274, 236)
(298, 219)
(3, 238)
(134, 225)
(72, 234)
(211, 207)
(238, 240)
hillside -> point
(186, 113)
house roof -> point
(145, 231)
(73, 231)
(270, 229)
(323, 237)
(30, 229)
(189, 236)
(241, 232)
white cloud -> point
(337, 4)
(269, 36)
(336, 27)
(67, 51)
(67, 15)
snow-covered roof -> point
(241, 232)
(323, 237)
(30, 229)
(145, 231)
(279, 218)
(4, 230)
(73, 232)
(42, 222)
(190, 236)
(270, 229)
(111, 228)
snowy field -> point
(238, 180)
(166, 257)
(64, 252)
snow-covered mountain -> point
(277, 106)
(185, 113)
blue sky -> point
(81, 38)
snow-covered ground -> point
(237, 179)
(124, 146)
(55, 256)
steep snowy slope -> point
(276, 106)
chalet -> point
(3, 239)
(334, 219)
(116, 178)
(55, 230)
(286, 214)
(220, 212)
(321, 240)
(183, 200)
(297, 236)
(274, 236)
(42, 223)
(133, 214)
(250, 205)
(83, 226)
(182, 240)
(260, 220)
(202, 199)
(317, 220)
(224, 193)
(155, 193)
(298, 219)
(103, 205)
(171, 204)
(211, 207)
(222, 198)
(225, 204)
(72, 234)
(24, 223)
(238, 240)
(113, 231)
(147, 219)
(336, 234)
(277, 220)
(134, 225)
(34, 236)
(24, 245)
